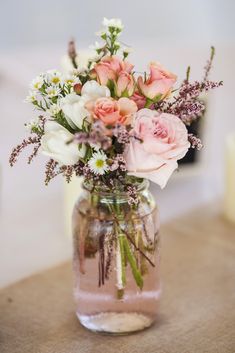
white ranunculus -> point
(54, 144)
(75, 112)
(92, 90)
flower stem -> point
(132, 261)
(121, 280)
(123, 261)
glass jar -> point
(116, 260)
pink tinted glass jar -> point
(116, 260)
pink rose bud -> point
(77, 88)
(139, 99)
(159, 83)
(109, 68)
(125, 85)
(93, 74)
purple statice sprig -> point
(118, 162)
(132, 193)
(96, 136)
(32, 140)
(79, 169)
(187, 104)
(72, 53)
(53, 169)
(208, 65)
(195, 142)
(121, 133)
(37, 131)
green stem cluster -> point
(126, 253)
(111, 41)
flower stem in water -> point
(132, 261)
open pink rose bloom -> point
(159, 140)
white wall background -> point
(33, 38)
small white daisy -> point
(102, 33)
(32, 97)
(97, 45)
(37, 83)
(127, 50)
(95, 57)
(52, 91)
(113, 22)
(54, 77)
(31, 124)
(70, 79)
(118, 45)
(54, 109)
(98, 164)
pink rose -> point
(159, 84)
(164, 140)
(111, 111)
(139, 99)
(125, 85)
(109, 68)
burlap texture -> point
(197, 312)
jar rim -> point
(96, 188)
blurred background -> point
(34, 36)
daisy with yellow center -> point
(98, 164)
(54, 77)
(71, 79)
(32, 97)
(54, 110)
(37, 83)
(52, 91)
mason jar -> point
(116, 259)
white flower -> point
(101, 32)
(92, 90)
(98, 164)
(81, 61)
(54, 77)
(71, 79)
(127, 50)
(31, 124)
(95, 57)
(54, 109)
(73, 106)
(37, 83)
(32, 97)
(66, 64)
(54, 144)
(97, 45)
(52, 91)
(113, 22)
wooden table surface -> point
(197, 311)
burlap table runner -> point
(197, 311)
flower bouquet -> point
(117, 129)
